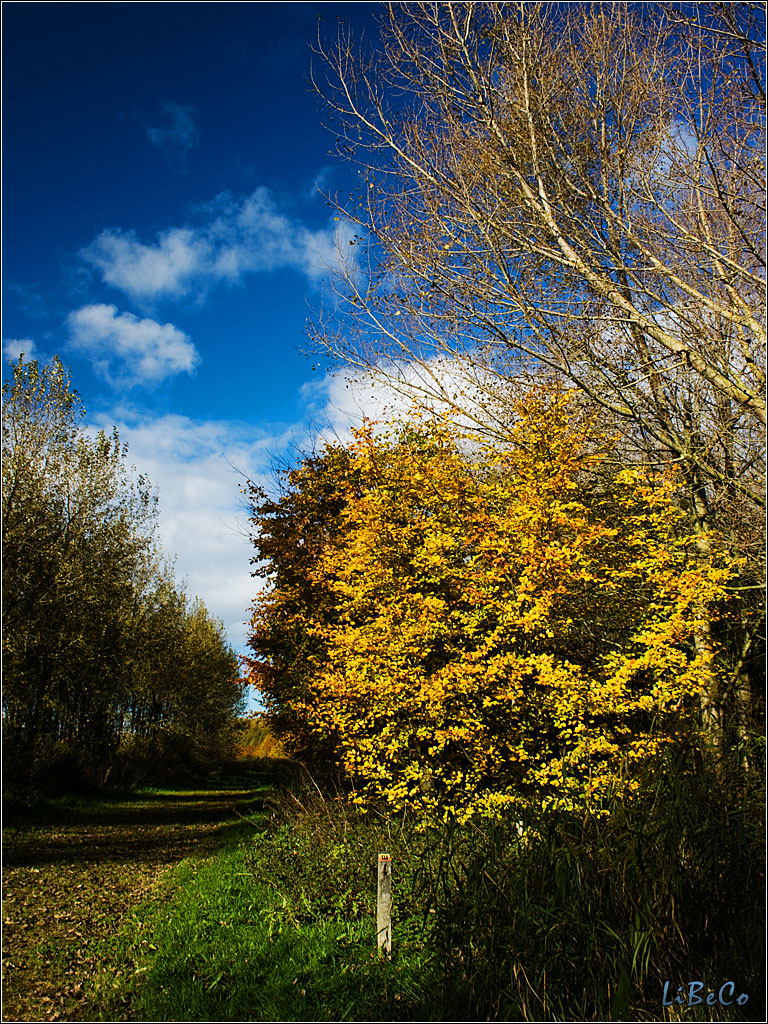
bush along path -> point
(77, 869)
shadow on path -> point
(74, 867)
(145, 826)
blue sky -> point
(164, 234)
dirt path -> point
(71, 871)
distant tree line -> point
(109, 669)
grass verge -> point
(277, 925)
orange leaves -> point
(470, 633)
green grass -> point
(76, 867)
(270, 928)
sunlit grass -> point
(231, 945)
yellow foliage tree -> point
(473, 632)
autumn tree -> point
(290, 535)
(512, 625)
(572, 191)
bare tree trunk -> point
(712, 724)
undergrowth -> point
(558, 917)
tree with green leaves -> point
(77, 537)
(98, 642)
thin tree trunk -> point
(710, 696)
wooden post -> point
(384, 903)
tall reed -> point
(584, 917)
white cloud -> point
(320, 185)
(175, 129)
(129, 350)
(342, 399)
(239, 237)
(198, 468)
(13, 348)
(169, 267)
